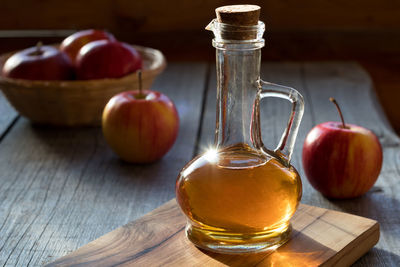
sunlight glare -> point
(211, 155)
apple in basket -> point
(341, 160)
(106, 59)
(140, 126)
(73, 43)
(39, 63)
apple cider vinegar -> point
(239, 196)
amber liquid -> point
(237, 196)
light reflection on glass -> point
(211, 155)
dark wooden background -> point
(125, 16)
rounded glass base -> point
(234, 243)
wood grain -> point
(8, 115)
(352, 87)
(61, 188)
(386, 81)
(320, 238)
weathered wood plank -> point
(320, 237)
(351, 86)
(7, 115)
(61, 188)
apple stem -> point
(39, 46)
(339, 110)
(140, 82)
(38, 51)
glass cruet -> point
(239, 196)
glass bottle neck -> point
(238, 72)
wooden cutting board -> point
(320, 237)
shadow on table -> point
(375, 204)
(378, 257)
(89, 159)
(299, 251)
(84, 142)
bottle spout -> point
(223, 31)
(211, 26)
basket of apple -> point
(69, 84)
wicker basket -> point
(73, 103)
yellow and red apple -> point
(341, 160)
(140, 127)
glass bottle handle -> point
(286, 144)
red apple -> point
(73, 43)
(341, 160)
(39, 63)
(107, 59)
(140, 127)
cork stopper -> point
(237, 16)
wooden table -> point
(61, 188)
